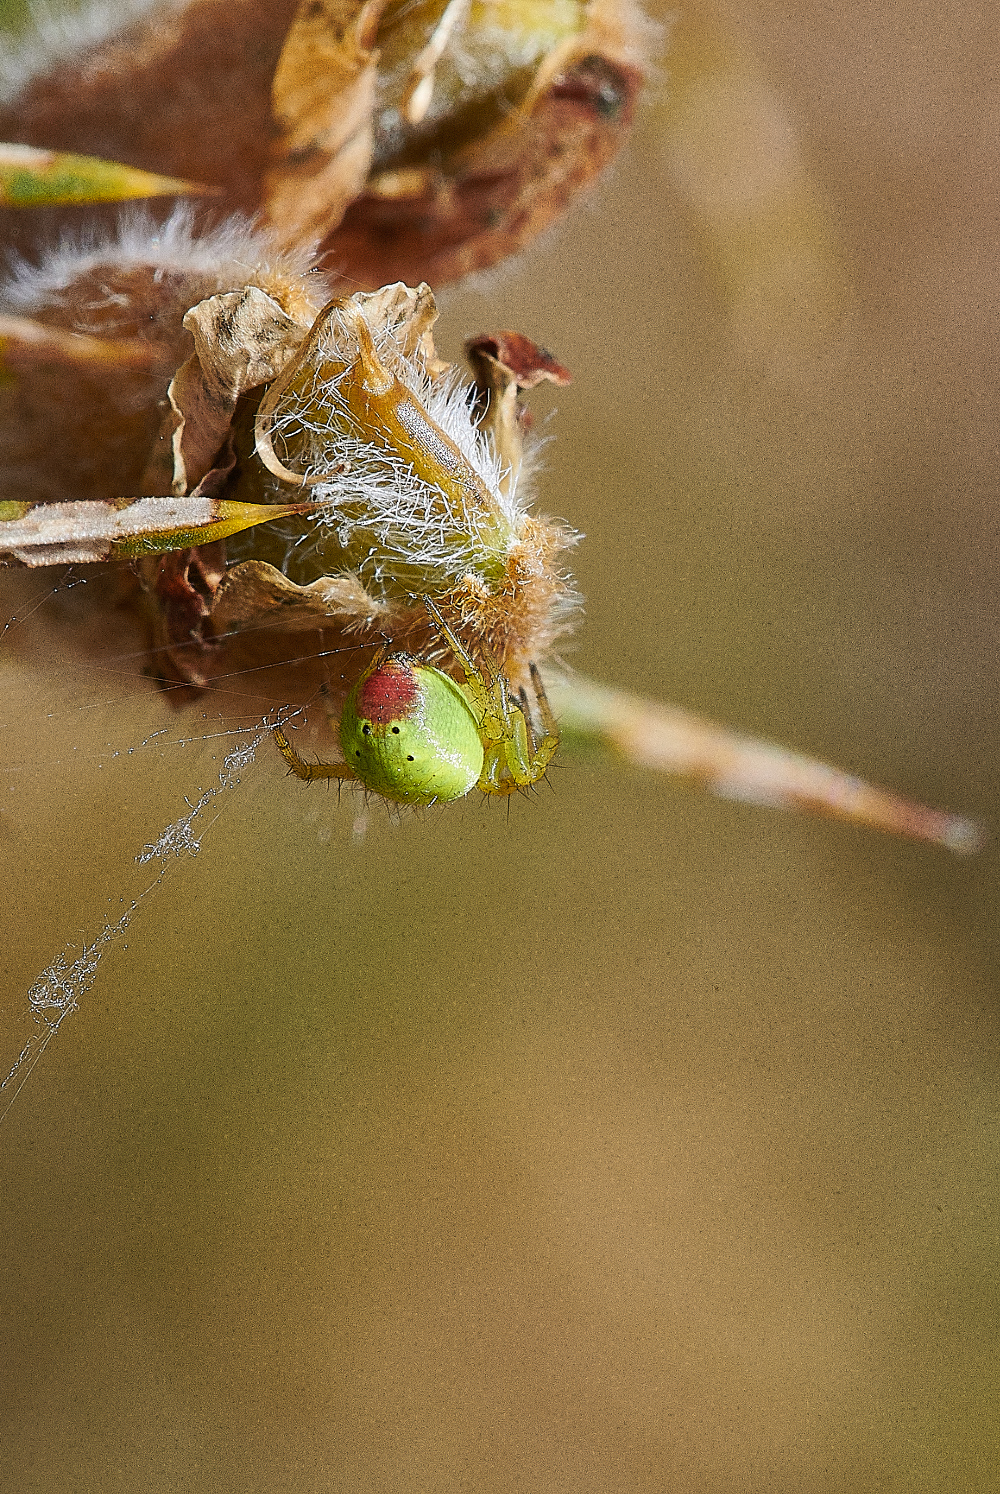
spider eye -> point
(395, 731)
(366, 731)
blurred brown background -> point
(635, 1140)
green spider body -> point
(412, 734)
(409, 733)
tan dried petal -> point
(323, 96)
(280, 641)
(408, 314)
(254, 594)
(183, 583)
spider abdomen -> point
(409, 733)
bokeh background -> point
(633, 1140)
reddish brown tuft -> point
(388, 694)
(529, 363)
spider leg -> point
(308, 772)
(550, 726)
(453, 641)
(514, 755)
(545, 748)
(491, 695)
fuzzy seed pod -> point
(418, 481)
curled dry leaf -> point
(242, 339)
(323, 96)
(504, 364)
(254, 594)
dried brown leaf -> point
(242, 339)
(407, 314)
(184, 583)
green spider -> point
(413, 735)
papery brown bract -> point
(323, 98)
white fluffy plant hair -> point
(441, 515)
(389, 517)
(76, 430)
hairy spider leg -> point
(512, 759)
(308, 772)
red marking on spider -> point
(390, 693)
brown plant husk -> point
(271, 106)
